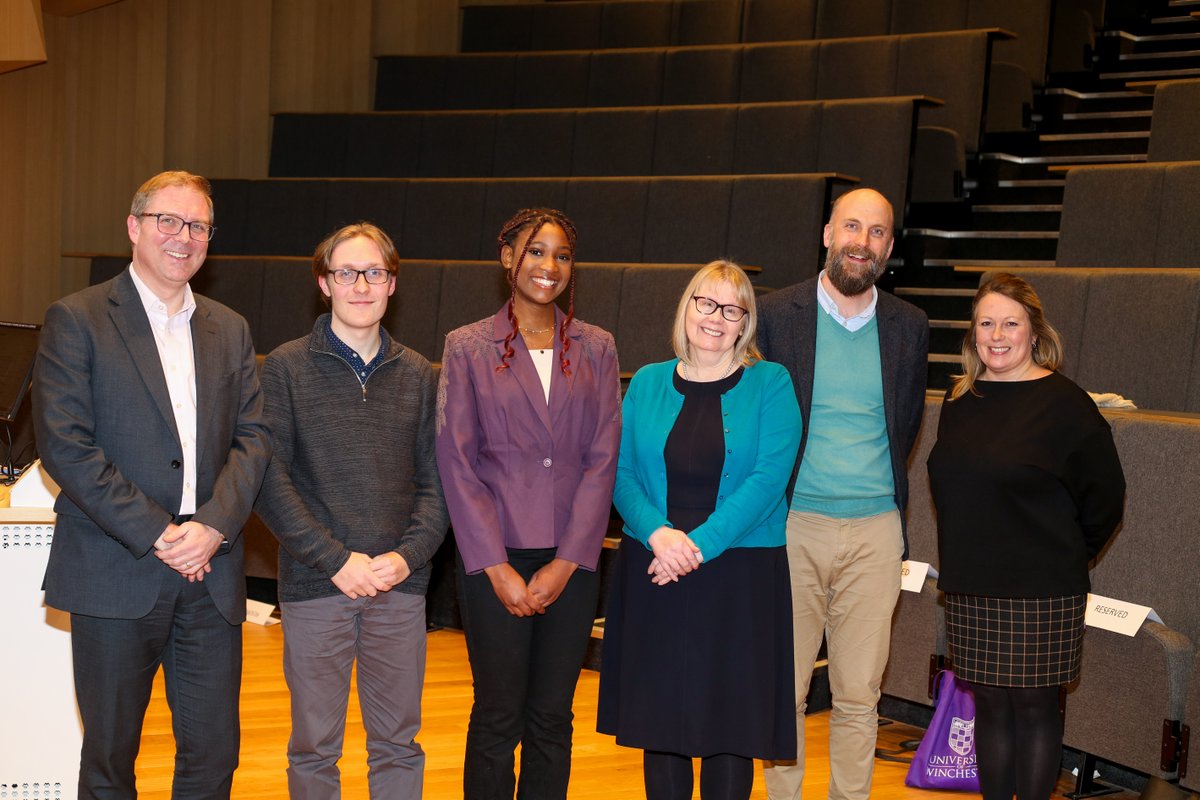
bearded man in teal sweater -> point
(858, 359)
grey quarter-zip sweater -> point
(354, 467)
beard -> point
(850, 280)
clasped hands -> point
(675, 554)
(525, 600)
(188, 548)
(363, 576)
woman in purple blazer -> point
(527, 435)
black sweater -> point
(1028, 488)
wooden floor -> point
(600, 768)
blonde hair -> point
(1047, 344)
(745, 349)
(141, 198)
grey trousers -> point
(321, 641)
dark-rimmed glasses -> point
(171, 225)
(348, 277)
(706, 306)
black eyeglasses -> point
(171, 225)
(706, 306)
(348, 277)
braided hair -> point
(534, 219)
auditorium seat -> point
(636, 25)
(1189, 776)
(699, 22)
(1130, 685)
(696, 75)
(548, 80)
(1139, 336)
(918, 625)
(291, 300)
(625, 78)
(614, 141)
(778, 20)
(649, 297)
(1175, 121)
(1131, 215)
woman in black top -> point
(1028, 488)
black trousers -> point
(115, 663)
(525, 670)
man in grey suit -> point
(148, 415)
(858, 361)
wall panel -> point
(218, 88)
(321, 55)
(138, 86)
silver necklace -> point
(728, 370)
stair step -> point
(938, 376)
(1149, 38)
(1015, 208)
(1158, 55)
(933, 233)
(1122, 158)
(1031, 183)
(995, 263)
(925, 291)
(1103, 143)
(1114, 94)
(1099, 136)
(939, 303)
(1137, 75)
(1089, 116)
(1174, 20)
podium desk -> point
(40, 733)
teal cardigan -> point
(762, 436)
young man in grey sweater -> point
(353, 495)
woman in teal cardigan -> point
(697, 655)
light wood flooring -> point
(600, 768)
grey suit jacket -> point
(787, 333)
(106, 434)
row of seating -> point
(1131, 215)
(652, 140)
(952, 66)
(280, 300)
(592, 24)
(1129, 704)
(769, 221)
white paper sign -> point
(1118, 616)
(912, 575)
(260, 613)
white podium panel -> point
(40, 733)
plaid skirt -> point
(1017, 642)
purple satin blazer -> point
(518, 472)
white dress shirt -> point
(831, 308)
(173, 337)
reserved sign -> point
(913, 574)
(1118, 616)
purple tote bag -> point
(945, 758)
